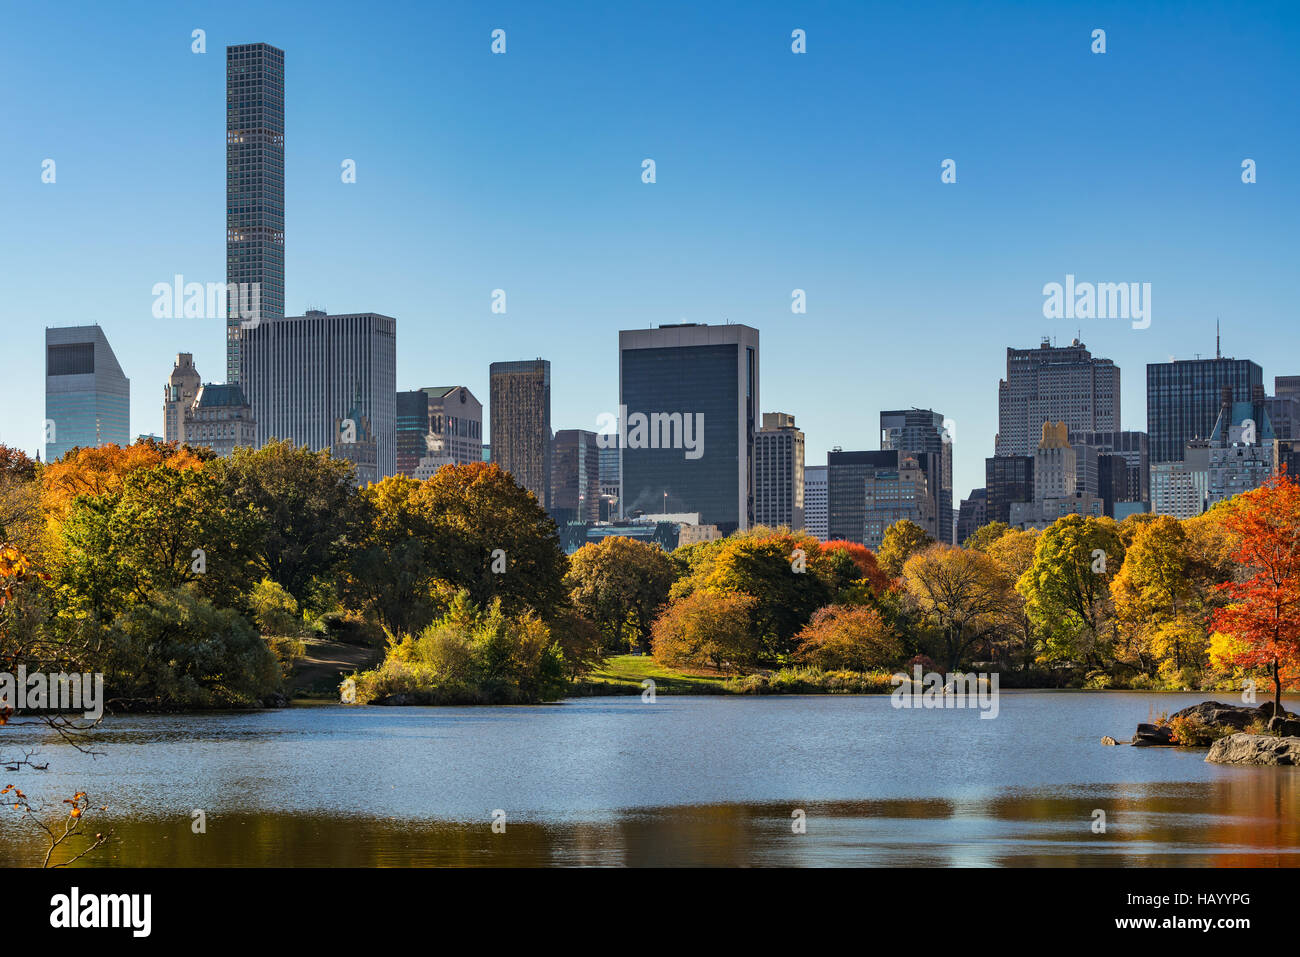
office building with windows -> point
(1054, 384)
(520, 401)
(689, 401)
(919, 431)
(575, 477)
(1184, 396)
(779, 473)
(326, 382)
(814, 501)
(87, 398)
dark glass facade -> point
(412, 426)
(690, 380)
(1183, 400)
(1007, 479)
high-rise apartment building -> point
(178, 395)
(520, 402)
(220, 418)
(1182, 489)
(254, 188)
(918, 431)
(689, 397)
(326, 382)
(87, 398)
(1055, 384)
(814, 501)
(779, 473)
(575, 477)
(1241, 448)
(1183, 399)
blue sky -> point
(775, 171)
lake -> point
(683, 780)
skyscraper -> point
(1184, 398)
(254, 186)
(779, 472)
(1054, 384)
(1008, 479)
(325, 382)
(688, 414)
(455, 424)
(973, 514)
(178, 395)
(1133, 447)
(87, 398)
(575, 477)
(814, 501)
(918, 431)
(869, 491)
(411, 430)
(520, 407)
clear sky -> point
(775, 171)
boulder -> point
(1152, 735)
(1264, 749)
(1215, 714)
(1107, 739)
(1285, 726)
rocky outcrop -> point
(1216, 714)
(1263, 749)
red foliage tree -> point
(1264, 613)
(865, 560)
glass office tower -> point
(87, 398)
(709, 373)
(1184, 397)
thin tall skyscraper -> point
(254, 189)
(520, 409)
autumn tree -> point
(1155, 599)
(1013, 553)
(621, 585)
(959, 593)
(986, 535)
(1264, 610)
(493, 539)
(856, 566)
(851, 637)
(786, 573)
(900, 542)
(707, 627)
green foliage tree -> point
(1068, 587)
(304, 507)
(620, 585)
(986, 535)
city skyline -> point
(355, 246)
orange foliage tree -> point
(1264, 610)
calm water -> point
(686, 780)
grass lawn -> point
(624, 674)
